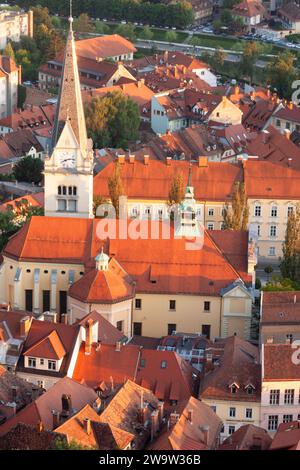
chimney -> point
(252, 95)
(87, 426)
(265, 137)
(290, 105)
(154, 423)
(66, 405)
(131, 158)
(55, 418)
(205, 431)
(174, 417)
(146, 159)
(40, 426)
(270, 340)
(166, 56)
(25, 323)
(168, 161)
(160, 408)
(118, 346)
(88, 336)
(287, 133)
(65, 318)
(295, 298)
(190, 416)
(98, 347)
(236, 90)
(290, 161)
(14, 392)
(202, 162)
(121, 159)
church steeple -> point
(69, 105)
(69, 167)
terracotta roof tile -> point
(49, 347)
(278, 363)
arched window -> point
(64, 190)
(59, 190)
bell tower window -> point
(67, 199)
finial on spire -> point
(70, 17)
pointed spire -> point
(189, 183)
(69, 105)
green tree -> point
(113, 120)
(236, 214)
(250, 55)
(177, 190)
(146, 33)
(8, 51)
(29, 170)
(101, 27)
(217, 25)
(290, 264)
(171, 36)
(7, 227)
(219, 58)
(83, 24)
(281, 73)
(116, 188)
(226, 17)
(62, 444)
(56, 22)
(127, 31)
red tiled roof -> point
(249, 8)
(270, 181)
(96, 286)
(213, 182)
(239, 364)
(287, 437)
(280, 308)
(272, 146)
(247, 437)
(189, 435)
(49, 347)
(106, 365)
(104, 47)
(107, 333)
(41, 409)
(204, 270)
(279, 363)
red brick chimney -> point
(88, 336)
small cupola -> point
(102, 260)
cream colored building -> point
(65, 264)
(231, 385)
(10, 78)
(13, 25)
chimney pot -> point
(121, 159)
(168, 161)
(56, 419)
(118, 346)
(87, 426)
(131, 158)
(146, 159)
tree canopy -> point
(29, 170)
(112, 120)
(236, 213)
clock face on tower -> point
(67, 159)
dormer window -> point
(250, 389)
(233, 388)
